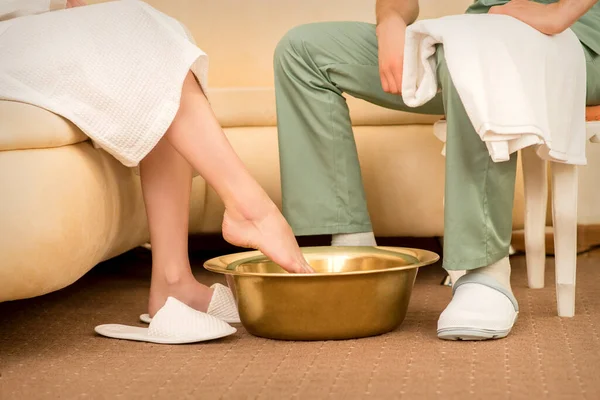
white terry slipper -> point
(222, 305)
(174, 323)
(481, 309)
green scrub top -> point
(587, 28)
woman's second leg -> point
(166, 185)
(251, 219)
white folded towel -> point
(519, 87)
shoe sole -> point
(469, 334)
(472, 334)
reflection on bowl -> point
(354, 292)
(330, 262)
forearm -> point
(569, 11)
(407, 10)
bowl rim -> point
(425, 257)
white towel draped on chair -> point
(519, 87)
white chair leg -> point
(564, 213)
(536, 199)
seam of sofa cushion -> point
(45, 147)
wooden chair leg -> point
(536, 199)
(564, 213)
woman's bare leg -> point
(166, 185)
(251, 218)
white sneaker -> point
(480, 309)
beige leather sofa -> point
(66, 206)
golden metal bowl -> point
(355, 291)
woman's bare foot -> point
(261, 226)
(184, 288)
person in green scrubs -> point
(321, 178)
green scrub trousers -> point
(321, 178)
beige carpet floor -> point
(48, 349)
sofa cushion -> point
(23, 126)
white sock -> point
(353, 239)
(499, 270)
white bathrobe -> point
(519, 87)
(113, 69)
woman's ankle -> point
(187, 290)
(254, 206)
(171, 271)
